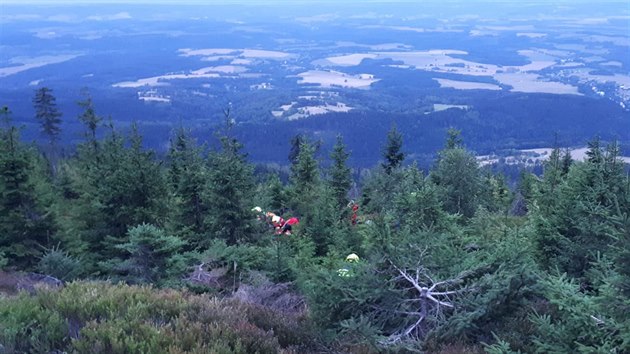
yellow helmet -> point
(352, 257)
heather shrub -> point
(26, 326)
(98, 317)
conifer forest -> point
(111, 247)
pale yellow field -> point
(466, 85)
(350, 59)
(32, 63)
(160, 80)
(335, 78)
(531, 156)
(438, 107)
(308, 111)
(524, 82)
(211, 54)
(522, 78)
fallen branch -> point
(433, 296)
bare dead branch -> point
(430, 297)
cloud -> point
(62, 18)
(318, 18)
(114, 17)
(20, 17)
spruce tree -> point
(26, 227)
(294, 152)
(457, 175)
(305, 180)
(89, 118)
(392, 153)
(567, 161)
(575, 214)
(187, 181)
(150, 256)
(47, 114)
(229, 192)
(275, 193)
(340, 174)
(126, 187)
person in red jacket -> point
(355, 210)
(288, 225)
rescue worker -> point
(288, 225)
(355, 210)
(259, 213)
(348, 270)
(277, 222)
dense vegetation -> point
(450, 261)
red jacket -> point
(293, 221)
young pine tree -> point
(47, 114)
(187, 182)
(89, 118)
(457, 175)
(340, 179)
(229, 192)
(114, 189)
(392, 153)
(150, 256)
(25, 225)
(305, 180)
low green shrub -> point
(92, 317)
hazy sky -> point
(279, 2)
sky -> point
(279, 2)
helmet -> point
(257, 209)
(352, 258)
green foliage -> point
(417, 203)
(152, 256)
(89, 118)
(305, 179)
(187, 182)
(26, 326)
(500, 347)
(245, 256)
(579, 322)
(229, 193)
(3, 260)
(458, 177)
(47, 114)
(490, 258)
(379, 190)
(275, 194)
(340, 179)
(453, 139)
(111, 191)
(392, 152)
(59, 264)
(103, 318)
(25, 223)
(575, 214)
(322, 224)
